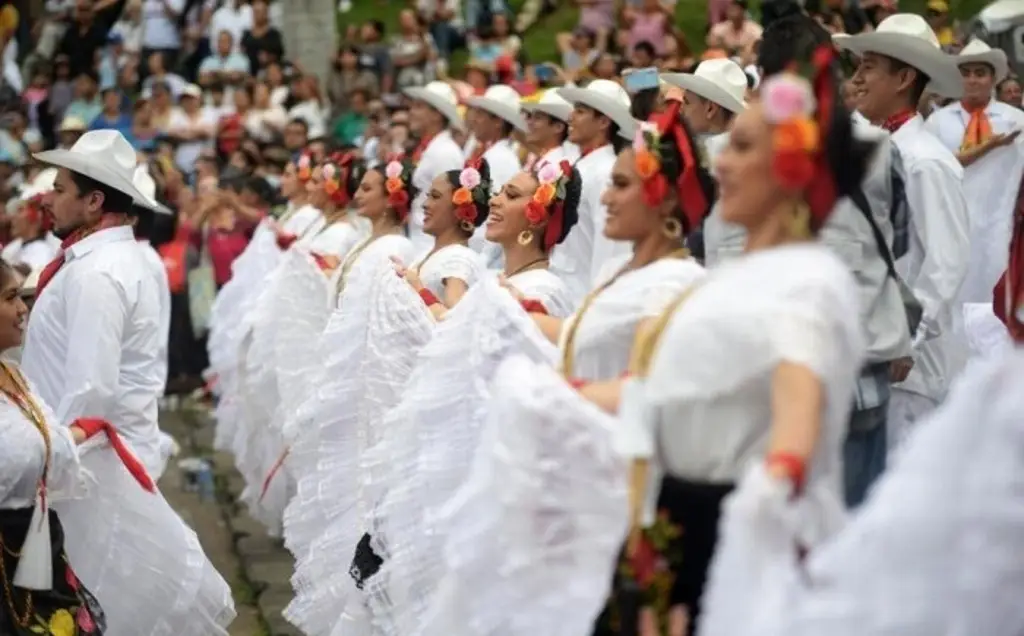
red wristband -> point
(92, 426)
(428, 297)
(793, 465)
(532, 306)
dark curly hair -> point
(481, 203)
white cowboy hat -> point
(908, 38)
(102, 155)
(607, 98)
(72, 124)
(31, 281)
(441, 97)
(145, 184)
(721, 81)
(551, 104)
(503, 102)
(977, 52)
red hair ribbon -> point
(556, 218)
(821, 193)
(1008, 294)
(92, 426)
(692, 199)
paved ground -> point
(257, 567)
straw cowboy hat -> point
(102, 155)
(551, 104)
(721, 81)
(908, 38)
(503, 102)
(977, 52)
(441, 97)
(145, 184)
(607, 98)
(72, 124)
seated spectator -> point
(88, 33)
(651, 23)
(509, 42)
(377, 54)
(643, 55)
(479, 12)
(485, 47)
(940, 22)
(308, 105)
(578, 49)
(410, 52)
(192, 126)
(161, 106)
(598, 18)
(86, 105)
(444, 22)
(233, 16)
(129, 29)
(110, 56)
(144, 131)
(348, 76)
(350, 126)
(158, 74)
(839, 16)
(737, 32)
(273, 75)
(219, 100)
(262, 43)
(296, 136)
(112, 115)
(225, 66)
(678, 56)
(264, 120)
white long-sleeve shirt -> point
(93, 344)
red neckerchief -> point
(535, 158)
(892, 124)
(418, 151)
(586, 151)
(51, 269)
(478, 153)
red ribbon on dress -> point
(106, 221)
(532, 306)
(92, 426)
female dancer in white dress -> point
(435, 427)
(934, 549)
(546, 492)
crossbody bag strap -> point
(861, 201)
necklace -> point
(21, 398)
(530, 265)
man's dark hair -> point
(920, 80)
(378, 26)
(301, 122)
(647, 48)
(114, 201)
(793, 38)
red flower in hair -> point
(535, 212)
(655, 189)
(398, 199)
(466, 213)
(793, 170)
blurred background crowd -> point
(208, 94)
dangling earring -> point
(672, 228)
(800, 222)
(467, 226)
(525, 238)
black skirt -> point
(66, 610)
(679, 548)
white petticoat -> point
(536, 531)
(140, 560)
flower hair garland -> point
(646, 143)
(789, 105)
(548, 202)
(472, 190)
(336, 174)
(397, 175)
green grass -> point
(539, 41)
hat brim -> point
(707, 89)
(941, 69)
(502, 110)
(604, 105)
(558, 111)
(447, 109)
(994, 58)
(88, 166)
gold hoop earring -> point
(525, 238)
(467, 226)
(800, 222)
(672, 228)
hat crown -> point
(442, 90)
(724, 73)
(502, 93)
(909, 25)
(551, 97)
(144, 182)
(976, 47)
(611, 90)
(44, 180)
(109, 147)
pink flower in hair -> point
(549, 173)
(393, 170)
(469, 178)
(785, 97)
(639, 143)
(328, 171)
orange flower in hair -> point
(393, 185)
(646, 142)
(462, 196)
(796, 135)
(647, 165)
(545, 194)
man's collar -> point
(97, 239)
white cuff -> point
(634, 436)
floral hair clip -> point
(789, 104)
(548, 202)
(335, 173)
(471, 191)
(304, 167)
(398, 195)
(646, 143)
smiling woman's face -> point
(371, 198)
(13, 311)
(438, 209)
(507, 217)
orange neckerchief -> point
(106, 221)
(979, 128)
